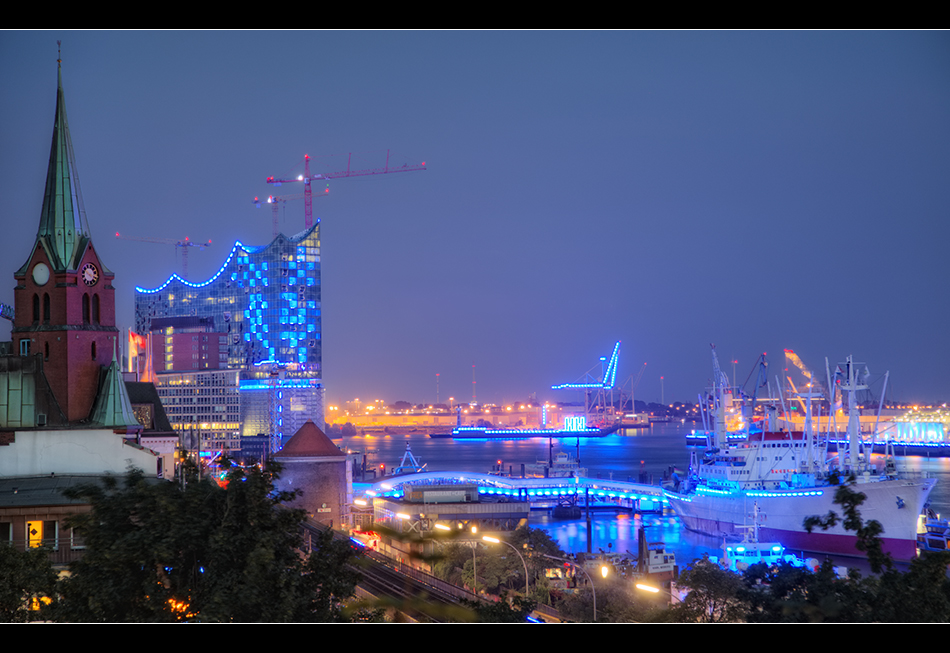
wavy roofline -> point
(296, 238)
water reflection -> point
(635, 455)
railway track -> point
(414, 594)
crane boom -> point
(306, 178)
(184, 244)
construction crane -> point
(275, 201)
(183, 244)
(306, 178)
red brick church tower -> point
(64, 299)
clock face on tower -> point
(90, 274)
(40, 274)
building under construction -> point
(260, 314)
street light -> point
(656, 590)
(495, 540)
(574, 564)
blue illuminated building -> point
(267, 301)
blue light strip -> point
(237, 245)
(610, 374)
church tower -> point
(64, 298)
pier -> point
(539, 492)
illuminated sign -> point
(576, 423)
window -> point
(42, 533)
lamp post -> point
(574, 564)
(657, 590)
(495, 540)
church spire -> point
(63, 227)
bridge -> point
(537, 491)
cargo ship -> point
(788, 476)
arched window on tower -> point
(46, 307)
(93, 350)
(36, 309)
(46, 351)
(85, 309)
(95, 308)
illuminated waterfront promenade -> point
(545, 491)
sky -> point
(758, 191)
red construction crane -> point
(183, 244)
(275, 200)
(306, 178)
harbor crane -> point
(183, 244)
(595, 390)
(307, 178)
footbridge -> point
(538, 491)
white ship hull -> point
(896, 504)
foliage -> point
(497, 567)
(868, 533)
(157, 552)
(714, 594)
(28, 581)
(504, 611)
(922, 594)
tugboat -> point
(740, 556)
(936, 536)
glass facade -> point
(267, 302)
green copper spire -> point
(113, 408)
(63, 226)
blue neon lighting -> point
(606, 383)
(238, 246)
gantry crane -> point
(595, 390)
(275, 201)
(306, 178)
(183, 244)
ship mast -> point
(855, 462)
(723, 398)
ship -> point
(491, 433)
(788, 476)
(561, 465)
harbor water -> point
(636, 455)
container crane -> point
(306, 178)
(183, 244)
(597, 404)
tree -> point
(503, 611)
(714, 594)
(156, 552)
(868, 533)
(28, 582)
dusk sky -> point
(757, 190)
